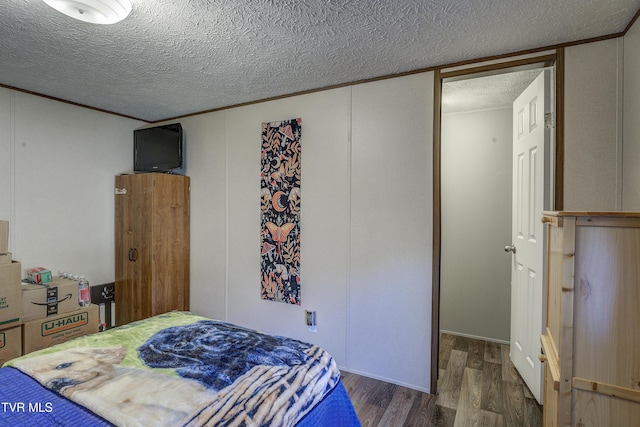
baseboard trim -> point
(442, 331)
(387, 380)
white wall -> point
(205, 146)
(593, 140)
(631, 165)
(475, 278)
(324, 218)
(58, 189)
(365, 223)
(391, 229)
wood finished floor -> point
(478, 386)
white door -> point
(527, 245)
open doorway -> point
(473, 176)
(476, 198)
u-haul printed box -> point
(54, 330)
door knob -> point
(511, 248)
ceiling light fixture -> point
(93, 11)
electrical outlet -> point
(311, 320)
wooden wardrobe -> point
(591, 344)
(151, 245)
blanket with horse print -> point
(182, 369)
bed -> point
(176, 369)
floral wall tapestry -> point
(280, 206)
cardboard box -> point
(39, 275)
(4, 237)
(6, 258)
(104, 296)
(56, 297)
(52, 330)
(10, 294)
(10, 343)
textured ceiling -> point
(171, 58)
(481, 93)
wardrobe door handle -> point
(134, 255)
(131, 254)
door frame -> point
(546, 58)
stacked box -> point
(56, 297)
(10, 294)
(10, 311)
(10, 344)
(5, 255)
(4, 237)
(39, 275)
(52, 330)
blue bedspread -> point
(26, 403)
(179, 369)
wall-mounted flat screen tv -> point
(158, 149)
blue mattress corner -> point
(335, 410)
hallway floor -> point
(478, 386)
